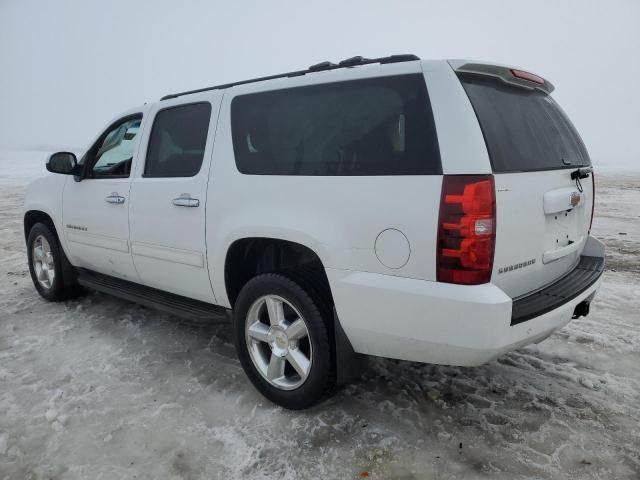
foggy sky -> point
(68, 67)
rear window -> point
(524, 130)
(377, 126)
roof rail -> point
(318, 67)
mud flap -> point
(69, 274)
(349, 364)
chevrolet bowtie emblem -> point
(575, 199)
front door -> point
(95, 210)
(168, 198)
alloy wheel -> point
(278, 342)
(43, 262)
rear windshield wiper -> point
(581, 173)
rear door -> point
(543, 214)
(168, 198)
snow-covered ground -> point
(100, 388)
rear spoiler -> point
(508, 75)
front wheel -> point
(47, 265)
(283, 342)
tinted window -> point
(177, 141)
(379, 126)
(113, 154)
(524, 130)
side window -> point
(112, 155)
(375, 126)
(177, 141)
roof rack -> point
(318, 67)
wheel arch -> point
(31, 217)
(249, 256)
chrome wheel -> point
(43, 264)
(278, 342)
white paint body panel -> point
(527, 228)
(104, 245)
(45, 195)
(462, 146)
(168, 241)
(339, 218)
(436, 322)
(96, 232)
(388, 302)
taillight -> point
(467, 229)
(593, 197)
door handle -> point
(185, 200)
(114, 198)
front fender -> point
(45, 195)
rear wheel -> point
(283, 342)
(49, 273)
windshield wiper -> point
(581, 173)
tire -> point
(268, 341)
(62, 284)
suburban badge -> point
(516, 266)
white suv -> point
(433, 211)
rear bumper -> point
(442, 323)
(585, 274)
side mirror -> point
(63, 162)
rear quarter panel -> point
(462, 147)
(337, 217)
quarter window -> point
(376, 126)
(177, 141)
